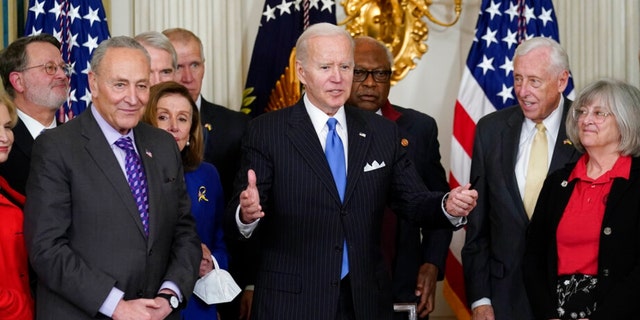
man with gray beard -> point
(35, 76)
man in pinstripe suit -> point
(291, 204)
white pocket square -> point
(374, 166)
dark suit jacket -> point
(223, 130)
(305, 222)
(419, 134)
(16, 169)
(494, 245)
(618, 255)
(83, 229)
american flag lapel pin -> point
(148, 153)
(362, 134)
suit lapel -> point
(620, 187)
(511, 141)
(563, 152)
(22, 138)
(304, 138)
(145, 146)
(358, 132)
(102, 154)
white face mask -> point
(216, 286)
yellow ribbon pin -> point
(202, 191)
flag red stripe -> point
(464, 128)
(454, 266)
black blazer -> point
(305, 222)
(82, 227)
(223, 130)
(618, 254)
(494, 244)
(419, 134)
(16, 169)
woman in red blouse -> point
(582, 258)
(15, 296)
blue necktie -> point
(137, 180)
(334, 151)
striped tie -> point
(137, 180)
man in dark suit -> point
(317, 215)
(415, 265)
(494, 245)
(223, 128)
(102, 245)
(35, 77)
(223, 131)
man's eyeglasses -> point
(360, 75)
(598, 116)
(51, 68)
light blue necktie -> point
(334, 151)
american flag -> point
(487, 86)
(271, 82)
(80, 26)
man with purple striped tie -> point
(108, 223)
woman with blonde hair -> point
(15, 295)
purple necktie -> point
(137, 180)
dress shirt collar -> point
(552, 123)
(319, 118)
(111, 134)
(35, 128)
(199, 102)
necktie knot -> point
(331, 123)
(125, 144)
(540, 127)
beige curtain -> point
(217, 23)
(602, 38)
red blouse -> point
(15, 295)
(578, 233)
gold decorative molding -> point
(398, 24)
(286, 91)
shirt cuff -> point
(481, 302)
(109, 305)
(455, 221)
(245, 229)
(173, 287)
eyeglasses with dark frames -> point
(360, 75)
(51, 68)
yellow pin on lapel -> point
(202, 194)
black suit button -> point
(150, 252)
(605, 272)
(343, 213)
(334, 283)
(338, 248)
(139, 294)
